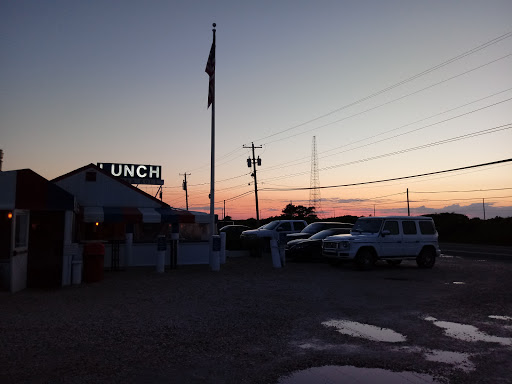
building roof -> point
(25, 189)
(82, 195)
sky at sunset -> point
(388, 89)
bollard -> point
(174, 250)
(282, 245)
(160, 254)
(128, 248)
(223, 248)
(274, 250)
(214, 253)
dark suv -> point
(313, 228)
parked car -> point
(393, 239)
(310, 249)
(313, 228)
(259, 239)
(233, 240)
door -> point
(391, 243)
(410, 239)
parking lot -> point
(252, 323)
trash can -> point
(76, 271)
(93, 261)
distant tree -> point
(299, 212)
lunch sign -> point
(135, 173)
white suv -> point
(393, 238)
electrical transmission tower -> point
(314, 184)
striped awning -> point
(171, 215)
(132, 215)
(150, 215)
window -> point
(284, 227)
(21, 230)
(392, 227)
(427, 227)
(299, 225)
(409, 227)
(367, 225)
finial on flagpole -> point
(214, 25)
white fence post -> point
(223, 248)
(274, 250)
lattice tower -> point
(314, 184)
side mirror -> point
(385, 232)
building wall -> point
(104, 192)
(8, 190)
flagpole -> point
(212, 174)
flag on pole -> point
(210, 70)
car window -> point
(409, 227)
(285, 227)
(270, 225)
(392, 227)
(311, 228)
(367, 225)
(299, 225)
(427, 227)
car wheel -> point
(393, 262)
(365, 259)
(426, 258)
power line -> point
(431, 69)
(457, 138)
(295, 162)
(394, 100)
(449, 61)
(394, 179)
(467, 191)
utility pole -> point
(408, 210)
(185, 186)
(253, 162)
(224, 211)
(483, 205)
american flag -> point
(210, 70)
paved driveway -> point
(251, 323)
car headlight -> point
(344, 245)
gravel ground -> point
(251, 323)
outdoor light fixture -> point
(97, 223)
(9, 215)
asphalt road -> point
(252, 323)
(493, 252)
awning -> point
(170, 215)
(130, 215)
(93, 214)
(150, 215)
(201, 217)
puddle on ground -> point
(353, 375)
(500, 317)
(365, 331)
(458, 359)
(467, 332)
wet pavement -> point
(251, 323)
